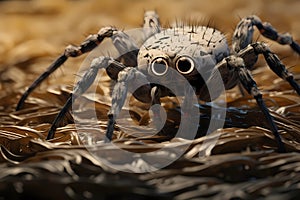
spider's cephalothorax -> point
(195, 52)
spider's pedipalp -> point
(126, 77)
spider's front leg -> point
(87, 45)
(236, 64)
(86, 81)
(127, 78)
(124, 76)
(122, 42)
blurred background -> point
(243, 165)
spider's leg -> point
(155, 107)
(243, 34)
(127, 48)
(126, 78)
(151, 20)
(253, 50)
(237, 64)
(189, 123)
(151, 25)
(58, 62)
(82, 85)
(118, 99)
(89, 44)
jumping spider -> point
(205, 51)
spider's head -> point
(186, 61)
(190, 51)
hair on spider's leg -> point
(291, 67)
(257, 38)
(87, 45)
(250, 86)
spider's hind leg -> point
(251, 53)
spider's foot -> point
(110, 128)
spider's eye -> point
(159, 66)
(185, 65)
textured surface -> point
(243, 164)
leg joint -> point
(234, 62)
(261, 48)
(101, 62)
(106, 32)
(72, 51)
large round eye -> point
(159, 66)
(185, 65)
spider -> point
(189, 50)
